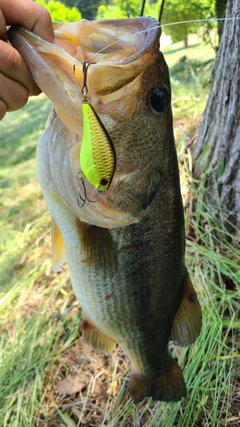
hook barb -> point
(83, 196)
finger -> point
(15, 95)
(3, 109)
(29, 14)
(13, 66)
(3, 24)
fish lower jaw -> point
(104, 217)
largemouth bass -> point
(125, 247)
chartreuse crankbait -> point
(97, 154)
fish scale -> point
(126, 251)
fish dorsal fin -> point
(169, 386)
(95, 338)
(98, 247)
(58, 247)
(187, 321)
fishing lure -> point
(97, 154)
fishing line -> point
(125, 38)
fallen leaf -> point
(69, 385)
(77, 412)
(99, 392)
(229, 420)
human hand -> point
(16, 82)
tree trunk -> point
(220, 7)
(216, 151)
(87, 8)
(185, 40)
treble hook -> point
(85, 66)
(84, 197)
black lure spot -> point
(159, 99)
(104, 182)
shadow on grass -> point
(183, 48)
(188, 71)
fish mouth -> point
(115, 41)
(121, 41)
(119, 51)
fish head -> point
(127, 84)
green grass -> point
(40, 318)
(190, 73)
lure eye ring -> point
(159, 100)
(104, 182)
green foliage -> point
(110, 12)
(174, 11)
(60, 12)
(88, 8)
(122, 9)
(177, 11)
(130, 8)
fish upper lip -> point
(151, 40)
(141, 52)
(25, 33)
(35, 40)
(52, 66)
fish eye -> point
(159, 99)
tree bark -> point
(216, 152)
(220, 7)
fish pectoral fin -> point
(98, 247)
(58, 247)
(95, 338)
(187, 321)
(167, 387)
